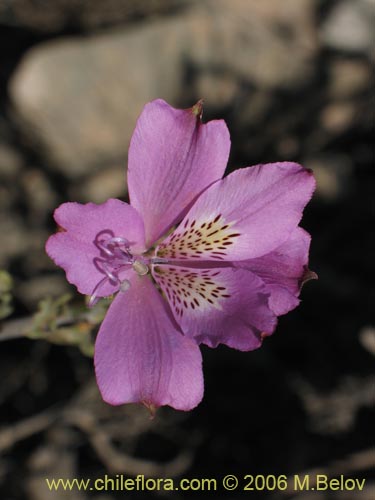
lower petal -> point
(218, 305)
(142, 357)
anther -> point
(125, 285)
(140, 268)
(117, 257)
(159, 260)
(94, 299)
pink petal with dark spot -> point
(247, 214)
(218, 305)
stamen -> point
(125, 285)
(111, 276)
(115, 257)
(159, 260)
(113, 247)
(103, 246)
(94, 299)
(119, 240)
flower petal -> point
(74, 248)
(218, 305)
(141, 355)
(245, 215)
(172, 158)
(283, 271)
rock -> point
(15, 241)
(288, 147)
(80, 98)
(107, 183)
(254, 40)
(58, 15)
(38, 195)
(349, 26)
(22, 244)
(10, 166)
(332, 174)
(337, 117)
(348, 78)
(9, 192)
(367, 338)
(35, 259)
(10, 161)
(222, 89)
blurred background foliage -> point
(293, 81)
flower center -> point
(115, 258)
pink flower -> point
(194, 258)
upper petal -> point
(283, 271)
(74, 248)
(218, 305)
(172, 158)
(247, 214)
(142, 356)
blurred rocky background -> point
(293, 80)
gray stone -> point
(348, 78)
(107, 183)
(332, 174)
(257, 41)
(217, 88)
(338, 116)
(10, 166)
(350, 26)
(38, 194)
(49, 16)
(80, 98)
(10, 161)
(15, 241)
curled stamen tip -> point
(119, 240)
(93, 301)
(125, 285)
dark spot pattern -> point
(191, 290)
(207, 240)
